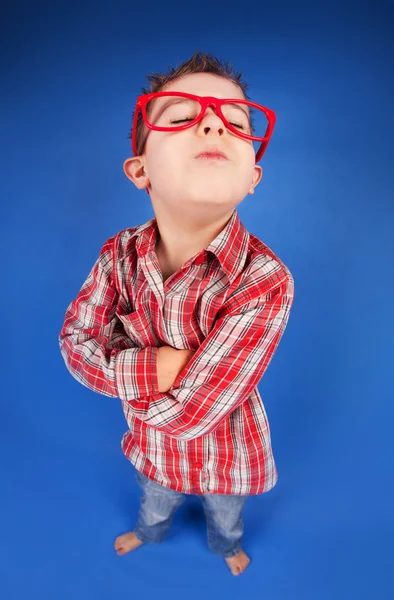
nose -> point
(211, 124)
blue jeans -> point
(222, 512)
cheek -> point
(157, 156)
(165, 157)
(247, 165)
(245, 156)
(250, 154)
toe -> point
(119, 547)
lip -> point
(212, 154)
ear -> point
(135, 170)
(257, 177)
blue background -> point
(70, 74)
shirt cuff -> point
(136, 373)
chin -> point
(205, 196)
(217, 192)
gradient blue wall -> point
(70, 75)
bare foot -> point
(126, 543)
(238, 563)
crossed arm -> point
(170, 362)
(179, 392)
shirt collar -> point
(230, 246)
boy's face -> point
(170, 165)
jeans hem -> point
(229, 553)
(142, 538)
(233, 552)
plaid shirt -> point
(230, 303)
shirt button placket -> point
(197, 468)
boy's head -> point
(167, 163)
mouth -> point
(212, 155)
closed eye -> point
(182, 121)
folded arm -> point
(224, 371)
(99, 354)
(204, 390)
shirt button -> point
(198, 466)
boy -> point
(180, 317)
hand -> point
(170, 362)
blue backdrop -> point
(70, 74)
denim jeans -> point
(222, 512)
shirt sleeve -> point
(225, 369)
(94, 345)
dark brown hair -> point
(200, 62)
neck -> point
(180, 239)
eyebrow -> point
(240, 107)
(170, 100)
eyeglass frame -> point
(205, 102)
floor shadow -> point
(191, 516)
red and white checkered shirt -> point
(230, 303)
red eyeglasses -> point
(178, 111)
